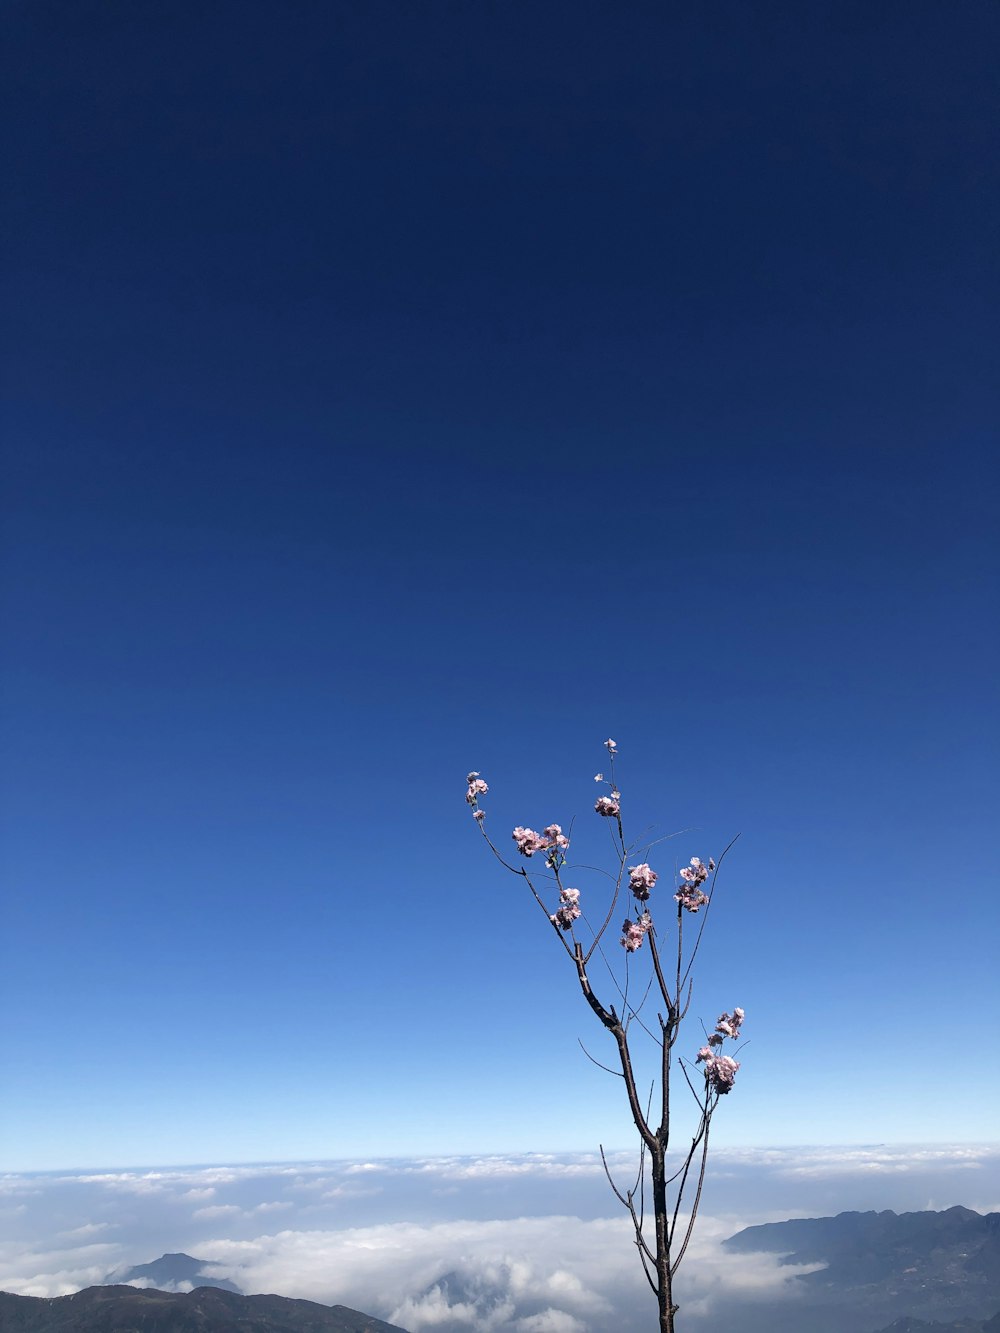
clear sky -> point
(399, 389)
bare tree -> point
(661, 1181)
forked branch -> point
(659, 1252)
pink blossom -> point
(606, 806)
(569, 909)
(479, 814)
(552, 840)
(528, 841)
(631, 937)
(705, 1053)
(611, 746)
(477, 788)
(556, 837)
(691, 898)
(696, 873)
(720, 1071)
(598, 777)
(690, 895)
(641, 880)
(730, 1026)
(633, 932)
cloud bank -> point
(495, 1244)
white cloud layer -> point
(542, 1273)
(494, 1244)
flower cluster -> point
(720, 1070)
(611, 747)
(608, 805)
(569, 909)
(477, 788)
(633, 932)
(549, 840)
(640, 880)
(696, 873)
(727, 1026)
(689, 895)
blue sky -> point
(394, 391)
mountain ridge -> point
(115, 1309)
(919, 1267)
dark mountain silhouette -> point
(957, 1326)
(205, 1310)
(172, 1271)
(929, 1271)
(858, 1244)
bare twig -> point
(617, 1072)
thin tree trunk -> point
(664, 1280)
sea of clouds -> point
(497, 1244)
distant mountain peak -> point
(173, 1273)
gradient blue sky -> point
(396, 389)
